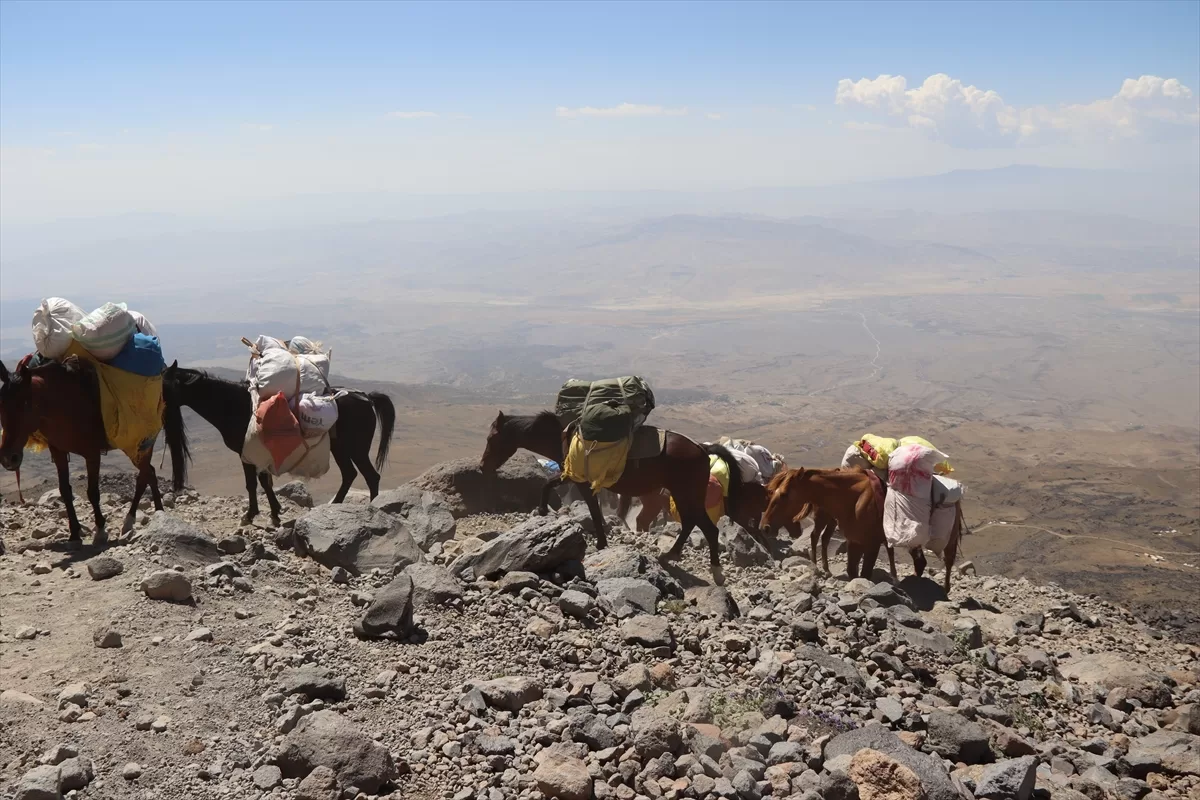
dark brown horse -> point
(61, 402)
(682, 468)
(227, 406)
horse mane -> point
(188, 376)
(525, 423)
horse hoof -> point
(101, 538)
(247, 518)
(718, 576)
(126, 527)
(75, 543)
(275, 521)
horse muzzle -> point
(11, 461)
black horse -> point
(226, 406)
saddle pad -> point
(648, 442)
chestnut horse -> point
(848, 496)
(61, 402)
(682, 468)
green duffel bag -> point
(631, 390)
(606, 422)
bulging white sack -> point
(52, 326)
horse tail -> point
(735, 478)
(177, 441)
(387, 421)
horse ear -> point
(3, 373)
(500, 416)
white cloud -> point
(714, 115)
(856, 125)
(623, 110)
(262, 127)
(946, 109)
(412, 114)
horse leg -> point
(826, 535)
(676, 551)
(853, 556)
(251, 492)
(593, 504)
(870, 554)
(919, 562)
(100, 537)
(950, 554)
(891, 551)
(138, 490)
(268, 486)
(814, 537)
(61, 460)
(152, 479)
(346, 464)
(370, 475)
(713, 535)
(550, 486)
(624, 501)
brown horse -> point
(848, 496)
(681, 468)
(61, 401)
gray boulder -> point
(1164, 751)
(647, 631)
(934, 780)
(325, 739)
(511, 693)
(743, 549)
(837, 666)
(390, 614)
(627, 597)
(517, 486)
(957, 738)
(179, 541)
(1008, 780)
(358, 538)
(433, 585)
(713, 601)
(296, 492)
(167, 584)
(426, 514)
(41, 783)
(626, 562)
(1110, 670)
(539, 544)
(75, 774)
(101, 568)
(313, 682)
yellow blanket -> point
(714, 502)
(599, 463)
(131, 406)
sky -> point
(194, 107)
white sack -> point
(142, 324)
(941, 525)
(906, 520)
(105, 331)
(52, 326)
(316, 414)
(279, 370)
(910, 469)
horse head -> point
(784, 495)
(500, 447)
(17, 420)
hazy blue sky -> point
(110, 107)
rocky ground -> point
(407, 649)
